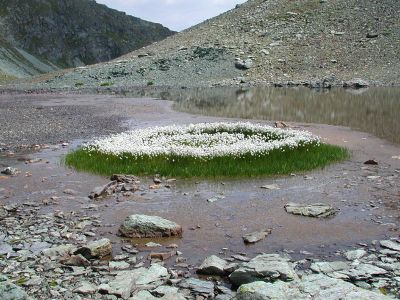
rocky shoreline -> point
(60, 255)
(57, 243)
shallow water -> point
(373, 110)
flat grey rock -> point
(316, 287)
(317, 210)
(213, 265)
(265, 267)
(257, 236)
(392, 245)
(96, 249)
(140, 226)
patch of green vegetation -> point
(78, 84)
(106, 84)
(276, 162)
(53, 284)
(149, 83)
(6, 77)
(21, 281)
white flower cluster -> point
(204, 140)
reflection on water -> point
(374, 110)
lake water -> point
(373, 110)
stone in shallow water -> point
(265, 267)
(317, 210)
(140, 226)
(257, 236)
(213, 265)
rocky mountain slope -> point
(317, 42)
(38, 36)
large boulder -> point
(142, 226)
(317, 210)
(265, 267)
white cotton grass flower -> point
(204, 140)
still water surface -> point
(373, 110)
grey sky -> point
(174, 14)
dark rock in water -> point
(103, 191)
(371, 162)
(255, 237)
(140, 226)
(317, 210)
(356, 83)
(9, 171)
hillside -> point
(317, 42)
(38, 36)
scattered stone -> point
(372, 35)
(198, 286)
(215, 198)
(162, 255)
(317, 210)
(371, 162)
(103, 191)
(356, 83)
(70, 192)
(125, 178)
(244, 64)
(392, 245)
(280, 124)
(265, 267)
(9, 171)
(57, 251)
(96, 249)
(257, 236)
(140, 226)
(329, 267)
(213, 265)
(355, 254)
(118, 265)
(85, 288)
(271, 187)
(127, 281)
(75, 260)
(153, 245)
(241, 257)
(10, 291)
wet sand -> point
(369, 206)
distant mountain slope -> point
(298, 41)
(41, 35)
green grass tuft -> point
(277, 162)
